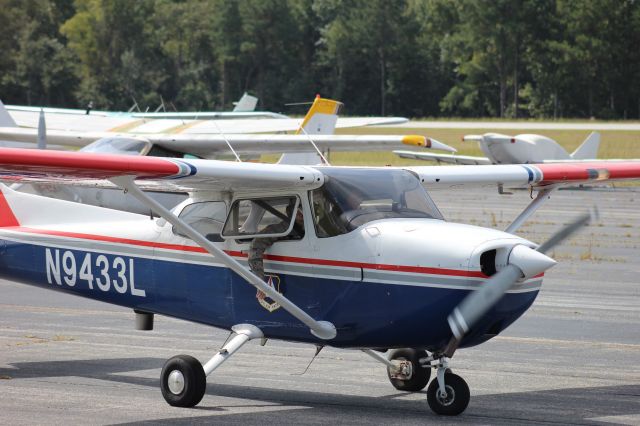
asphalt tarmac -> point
(573, 358)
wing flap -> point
(443, 158)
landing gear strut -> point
(183, 380)
(410, 369)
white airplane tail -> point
(5, 119)
(247, 103)
(321, 119)
(588, 150)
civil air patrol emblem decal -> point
(265, 301)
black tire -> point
(419, 375)
(458, 396)
(195, 381)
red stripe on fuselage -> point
(83, 164)
(277, 258)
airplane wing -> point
(443, 158)
(214, 144)
(151, 173)
(168, 174)
(524, 175)
(143, 126)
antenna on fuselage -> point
(318, 349)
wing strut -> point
(540, 199)
(322, 329)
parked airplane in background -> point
(183, 126)
(373, 266)
(519, 149)
(316, 133)
(210, 145)
(244, 108)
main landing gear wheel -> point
(411, 377)
(456, 399)
(183, 381)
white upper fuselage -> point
(521, 149)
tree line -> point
(417, 58)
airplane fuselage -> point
(389, 283)
(523, 149)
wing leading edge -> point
(538, 175)
(25, 165)
(161, 174)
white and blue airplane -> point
(374, 266)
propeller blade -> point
(479, 302)
(523, 262)
(568, 230)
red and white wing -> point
(154, 173)
(537, 175)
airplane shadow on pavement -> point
(565, 405)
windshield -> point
(352, 197)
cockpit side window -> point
(206, 217)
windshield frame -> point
(352, 197)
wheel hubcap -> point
(175, 381)
(448, 398)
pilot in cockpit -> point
(260, 245)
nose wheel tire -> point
(412, 377)
(183, 381)
(456, 399)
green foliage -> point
(473, 58)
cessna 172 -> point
(320, 121)
(374, 265)
(519, 149)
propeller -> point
(522, 262)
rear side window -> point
(207, 218)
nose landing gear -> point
(449, 394)
(410, 369)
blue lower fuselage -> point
(366, 314)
